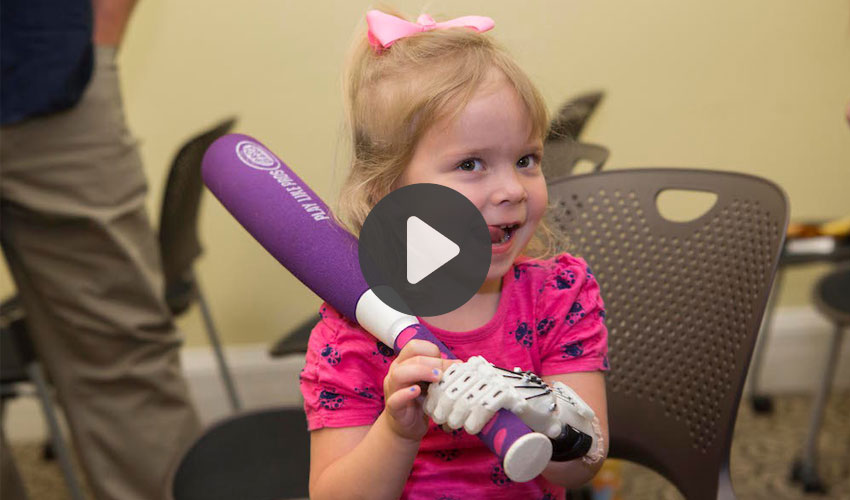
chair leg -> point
(724, 485)
(226, 377)
(36, 374)
(761, 403)
(806, 470)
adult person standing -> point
(80, 247)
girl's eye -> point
(470, 165)
(527, 161)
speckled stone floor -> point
(762, 451)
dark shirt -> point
(46, 56)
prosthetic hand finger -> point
(471, 400)
(482, 405)
(477, 419)
(458, 416)
(442, 408)
(461, 385)
(459, 379)
(438, 405)
(460, 388)
(435, 392)
(462, 404)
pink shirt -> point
(549, 320)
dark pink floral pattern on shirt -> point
(550, 320)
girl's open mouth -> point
(502, 234)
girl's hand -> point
(419, 362)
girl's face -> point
(487, 154)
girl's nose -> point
(509, 188)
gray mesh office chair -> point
(684, 301)
(257, 455)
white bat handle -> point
(381, 320)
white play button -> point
(427, 250)
(424, 249)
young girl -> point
(438, 104)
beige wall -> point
(759, 87)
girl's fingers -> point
(407, 374)
(402, 397)
(424, 361)
(417, 365)
(447, 363)
(417, 347)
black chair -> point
(19, 365)
(259, 455)
(563, 151)
(761, 402)
(562, 156)
(684, 301)
(294, 342)
(179, 243)
(572, 116)
(832, 299)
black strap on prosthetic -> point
(571, 444)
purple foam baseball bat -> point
(293, 224)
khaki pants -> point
(85, 260)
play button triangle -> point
(427, 250)
(424, 249)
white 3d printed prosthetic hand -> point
(470, 393)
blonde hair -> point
(394, 96)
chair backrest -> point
(561, 156)
(16, 349)
(832, 295)
(684, 301)
(563, 151)
(258, 455)
(178, 221)
(296, 340)
(573, 115)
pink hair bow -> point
(385, 29)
